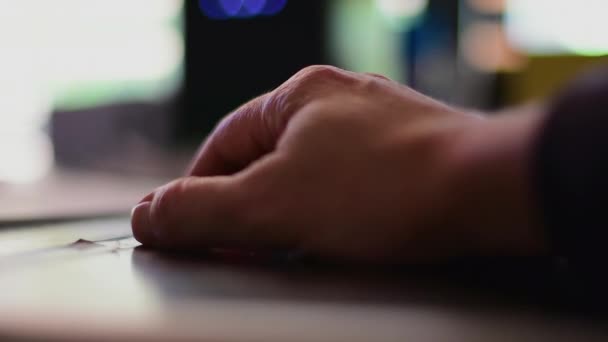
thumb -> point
(195, 212)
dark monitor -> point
(235, 56)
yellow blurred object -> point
(542, 76)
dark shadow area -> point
(527, 284)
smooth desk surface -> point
(78, 282)
(73, 193)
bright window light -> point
(547, 27)
(70, 54)
(111, 48)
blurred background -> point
(100, 101)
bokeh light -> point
(401, 8)
(488, 6)
(235, 9)
(254, 6)
(485, 48)
(401, 14)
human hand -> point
(351, 167)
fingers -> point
(239, 139)
(194, 213)
(254, 129)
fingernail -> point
(141, 224)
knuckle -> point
(306, 85)
(374, 85)
(320, 74)
(244, 112)
(278, 104)
(320, 71)
(324, 115)
(378, 76)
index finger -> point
(239, 139)
(253, 130)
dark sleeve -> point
(571, 173)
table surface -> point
(73, 193)
(89, 281)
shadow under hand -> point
(499, 284)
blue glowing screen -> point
(229, 9)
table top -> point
(89, 280)
(67, 193)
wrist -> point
(490, 194)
